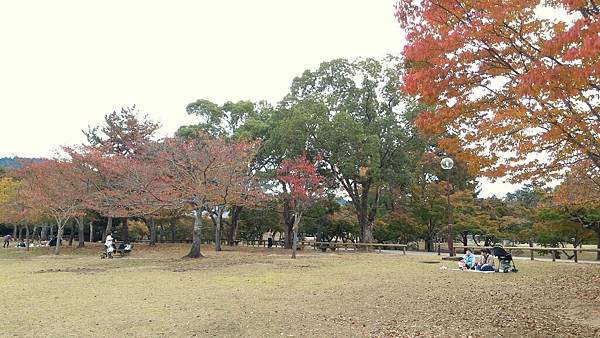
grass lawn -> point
(256, 292)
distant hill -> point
(14, 162)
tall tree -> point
(579, 197)
(232, 121)
(14, 208)
(124, 134)
(235, 186)
(102, 175)
(51, 187)
(509, 80)
(193, 168)
(353, 114)
(218, 120)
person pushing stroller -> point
(109, 246)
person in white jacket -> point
(109, 244)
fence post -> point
(575, 253)
(554, 255)
(404, 250)
(531, 251)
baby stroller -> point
(108, 252)
(505, 259)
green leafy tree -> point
(354, 116)
(559, 226)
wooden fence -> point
(383, 246)
(355, 246)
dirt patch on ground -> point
(79, 270)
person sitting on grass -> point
(486, 262)
(124, 248)
(121, 248)
(468, 261)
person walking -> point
(7, 239)
(109, 245)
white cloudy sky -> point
(66, 63)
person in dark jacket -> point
(7, 239)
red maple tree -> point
(302, 186)
(506, 80)
(204, 175)
(52, 187)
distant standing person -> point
(109, 245)
(109, 240)
(270, 239)
(7, 239)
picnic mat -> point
(457, 269)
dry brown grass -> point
(255, 292)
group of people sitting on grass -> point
(485, 262)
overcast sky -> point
(64, 64)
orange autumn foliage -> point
(510, 78)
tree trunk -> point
(297, 217)
(27, 236)
(15, 231)
(364, 215)
(91, 232)
(288, 220)
(217, 238)
(429, 244)
(71, 234)
(172, 231)
(108, 228)
(366, 226)
(597, 242)
(152, 228)
(21, 230)
(59, 234)
(196, 235)
(80, 232)
(218, 223)
(51, 230)
(429, 238)
(44, 233)
(125, 230)
(35, 227)
(465, 241)
(235, 217)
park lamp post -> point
(447, 163)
